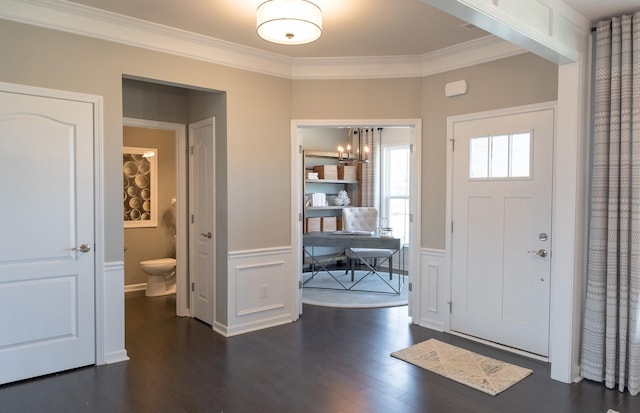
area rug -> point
(471, 369)
(324, 291)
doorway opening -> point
(160, 240)
(171, 110)
(324, 137)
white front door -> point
(47, 274)
(501, 241)
(202, 218)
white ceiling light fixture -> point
(289, 21)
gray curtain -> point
(611, 330)
(371, 171)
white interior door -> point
(501, 241)
(46, 278)
(202, 218)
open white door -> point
(47, 271)
(202, 219)
(501, 243)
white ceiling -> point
(595, 10)
(350, 27)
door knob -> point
(82, 248)
(208, 234)
(540, 253)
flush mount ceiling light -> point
(289, 21)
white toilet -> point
(162, 276)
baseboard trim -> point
(431, 324)
(135, 287)
(116, 357)
(250, 327)
(220, 328)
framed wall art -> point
(139, 193)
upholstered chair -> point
(364, 219)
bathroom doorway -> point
(159, 239)
(171, 107)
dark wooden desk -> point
(343, 241)
(329, 239)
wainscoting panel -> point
(435, 289)
(259, 290)
(269, 277)
(432, 288)
(111, 306)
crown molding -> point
(482, 50)
(367, 67)
(91, 22)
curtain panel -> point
(371, 171)
(611, 333)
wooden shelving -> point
(331, 181)
(330, 187)
(324, 208)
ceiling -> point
(595, 10)
(351, 28)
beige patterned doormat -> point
(474, 370)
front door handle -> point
(82, 248)
(540, 253)
(208, 234)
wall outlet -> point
(264, 291)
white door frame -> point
(445, 292)
(416, 191)
(182, 256)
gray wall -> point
(513, 81)
(153, 101)
(257, 120)
(357, 99)
(324, 139)
(256, 112)
(519, 80)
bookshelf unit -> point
(330, 187)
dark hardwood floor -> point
(331, 360)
